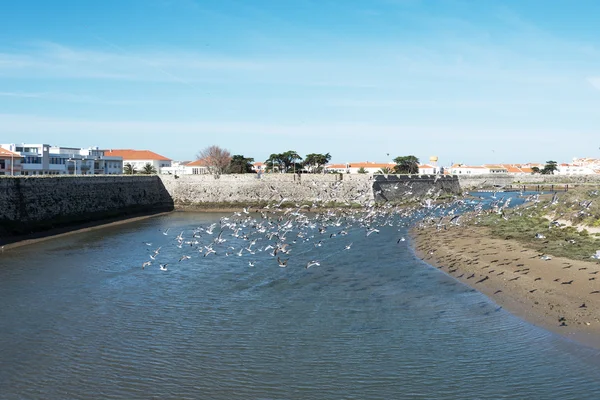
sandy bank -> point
(560, 294)
(37, 237)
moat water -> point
(80, 319)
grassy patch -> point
(578, 207)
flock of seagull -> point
(287, 235)
(290, 236)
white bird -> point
(597, 255)
(348, 246)
(163, 267)
(166, 232)
(545, 257)
(184, 258)
(311, 263)
(251, 263)
(146, 264)
(540, 236)
(282, 263)
(369, 231)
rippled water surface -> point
(80, 319)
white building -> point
(197, 167)
(139, 158)
(427, 169)
(573, 169)
(259, 167)
(461, 169)
(44, 159)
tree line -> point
(220, 161)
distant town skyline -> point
(469, 82)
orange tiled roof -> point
(494, 166)
(198, 163)
(426, 166)
(129, 154)
(511, 169)
(8, 153)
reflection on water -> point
(81, 319)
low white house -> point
(259, 167)
(197, 167)
(427, 169)
(461, 169)
(139, 158)
(572, 169)
(10, 162)
(176, 168)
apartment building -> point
(44, 159)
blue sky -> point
(469, 81)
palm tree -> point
(129, 169)
(148, 169)
(385, 171)
(361, 170)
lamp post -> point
(12, 164)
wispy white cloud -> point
(51, 60)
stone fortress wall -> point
(34, 204)
(348, 189)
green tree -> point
(362, 170)
(535, 170)
(406, 165)
(148, 169)
(549, 168)
(129, 169)
(284, 162)
(314, 162)
(274, 163)
(289, 160)
(240, 164)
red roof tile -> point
(197, 163)
(8, 153)
(129, 154)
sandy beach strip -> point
(37, 237)
(559, 294)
